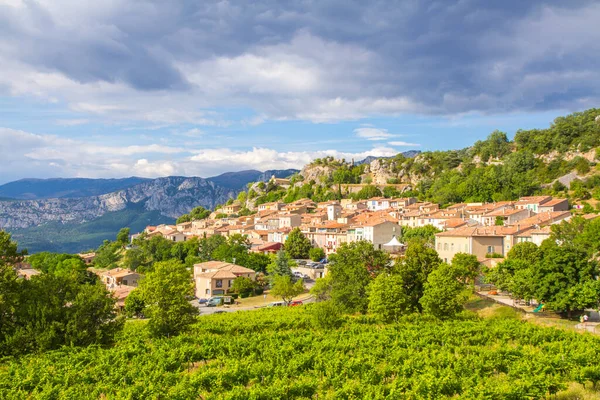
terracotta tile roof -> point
(553, 202)
(544, 218)
(503, 212)
(454, 223)
(533, 200)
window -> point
(466, 248)
(439, 246)
(452, 247)
(219, 283)
(490, 249)
(445, 246)
(230, 283)
(207, 291)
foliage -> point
(561, 273)
(135, 304)
(107, 255)
(466, 267)
(9, 252)
(326, 315)
(280, 353)
(352, 268)
(388, 300)
(123, 236)
(164, 291)
(444, 294)
(496, 145)
(297, 245)
(423, 233)
(196, 214)
(367, 192)
(286, 289)
(414, 269)
(280, 265)
(322, 288)
(243, 285)
(316, 254)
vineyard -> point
(271, 354)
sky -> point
(118, 88)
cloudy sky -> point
(117, 88)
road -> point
(204, 310)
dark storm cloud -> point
(444, 56)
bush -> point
(316, 254)
(258, 291)
(326, 315)
(494, 255)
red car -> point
(295, 303)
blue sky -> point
(148, 88)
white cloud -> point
(27, 154)
(370, 133)
(403, 144)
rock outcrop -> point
(171, 196)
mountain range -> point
(71, 215)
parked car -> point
(295, 303)
(324, 261)
(276, 304)
(298, 274)
(202, 301)
(306, 276)
(301, 262)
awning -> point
(393, 243)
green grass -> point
(281, 354)
(74, 238)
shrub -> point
(316, 254)
(326, 315)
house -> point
(213, 278)
(87, 257)
(377, 231)
(532, 203)
(120, 293)
(334, 211)
(27, 273)
(269, 248)
(545, 218)
(378, 204)
(477, 240)
(554, 205)
(119, 276)
(506, 215)
(273, 206)
(289, 220)
(232, 208)
(284, 183)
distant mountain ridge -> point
(31, 189)
(407, 154)
(239, 180)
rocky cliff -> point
(170, 196)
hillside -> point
(284, 353)
(561, 160)
(32, 189)
(78, 237)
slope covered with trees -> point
(493, 169)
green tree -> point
(107, 255)
(165, 290)
(316, 254)
(322, 288)
(352, 268)
(367, 192)
(286, 289)
(419, 261)
(280, 265)
(297, 245)
(421, 233)
(466, 266)
(444, 294)
(257, 262)
(387, 298)
(243, 285)
(9, 252)
(561, 276)
(135, 304)
(123, 237)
